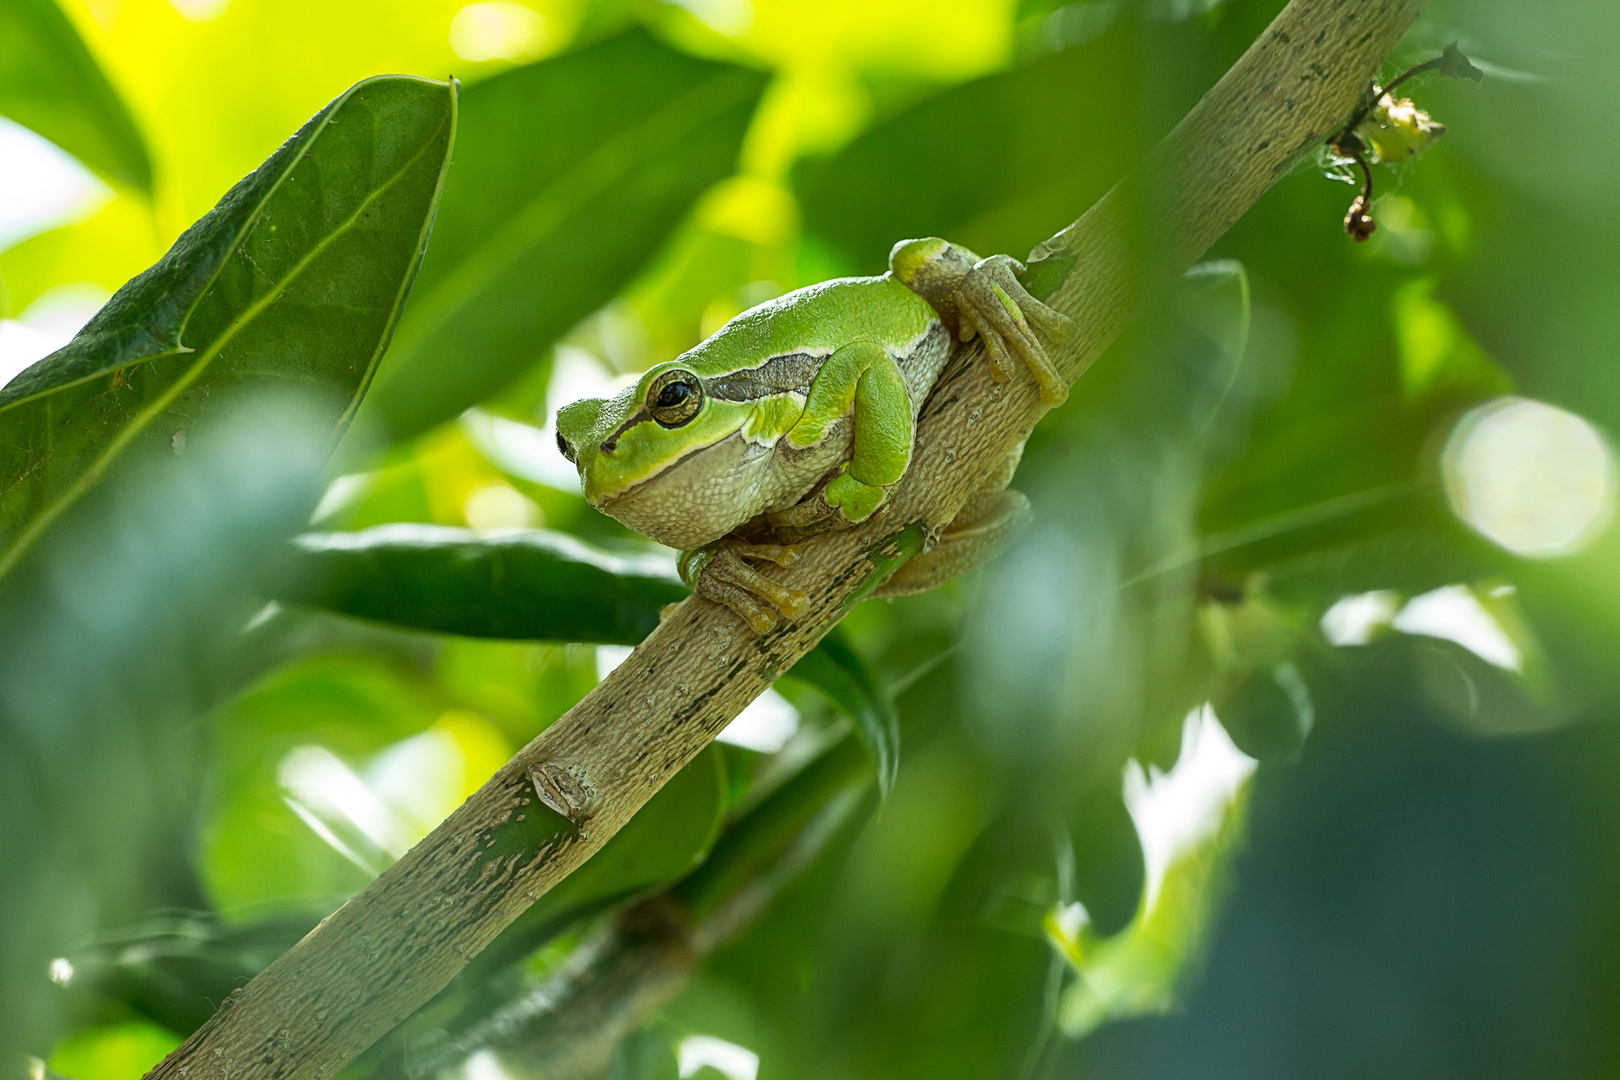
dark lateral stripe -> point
(778, 375)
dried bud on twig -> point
(1358, 222)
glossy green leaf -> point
(519, 585)
(569, 173)
(293, 281)
(534, 585)
(842, 674)
(49, 82)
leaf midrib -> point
(90, 475)
(178, 349)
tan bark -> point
(402, 939)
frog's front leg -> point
(984, 297)
(720, 572)
(860, 380)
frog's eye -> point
(674, 398)
(562, 445)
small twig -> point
(1451, 63)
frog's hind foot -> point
(721, 572)
(981, 531)
(992, 303)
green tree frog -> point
(797, 417)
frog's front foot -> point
(721, 572)
(986, 299)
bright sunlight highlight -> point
(728, 1059)
(41, 185)
(500, 30)
(1176, 811)
(1533, 478)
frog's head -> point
(661, 432)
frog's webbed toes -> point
(722, 573)
(994, 305)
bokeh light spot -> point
(1531, 477)
(500, 506)
(501, 30)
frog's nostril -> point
(608, 445)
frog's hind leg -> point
(983, 529)
(721, 572)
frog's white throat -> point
(709, 492)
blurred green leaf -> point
(114, 640)
(257, 853)
(294, 280)
(175, 968)
(1109, 868)
(520, 585)
(569, 173)
(644, 1055)
(1477, 697)
(49, 82)
(1267, 711)
(1140, 970)
(114, 1052)
(843, 675)
(1047, 139)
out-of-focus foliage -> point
(1300, 491)
(568, 176)
(295, 279)
(115, 636)
(50, 83)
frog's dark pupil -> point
(673, 394)
(562, 445)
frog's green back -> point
(817, 319)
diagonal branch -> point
(402, 939)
